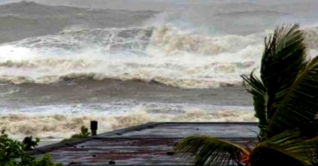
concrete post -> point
(94, 127)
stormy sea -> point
(124, 63)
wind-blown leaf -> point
(286, 148)
(299, 106)
(259, 97)
(210, 151)
(284, 56)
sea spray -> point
(161, 54)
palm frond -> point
(284, 56)
(299, 105)
(314, 144)
(210, 151)
(266, 156)
(259, 98)
(286, 148)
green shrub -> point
(83, 134)
(29, 143)
(12, 153)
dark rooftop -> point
(148, 144)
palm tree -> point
(285, 103)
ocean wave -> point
(62, 126)
(76, 38)
(29, 8)
(163, 54)
(311, 36)
(29, 19)
(51, 71)
(181, 83)
(160, 54)
(173, 41)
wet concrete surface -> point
(148, 144)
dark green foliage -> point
(204, 147)
(284, 58)
(299, 106)
(259, 97)
(29, 143)
(83, 134)
(284, 147)
(12, 154)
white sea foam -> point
(164, 54)
(170, 57)
(62, 121)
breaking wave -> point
(63, 126)
(163, 54)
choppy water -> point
(64, 63)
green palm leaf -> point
(210, 151)
(267, 156)
(287, 148)
(299, 105)
(314, 145)
(259, 97)
(284, 56)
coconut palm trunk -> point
(285, 103)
